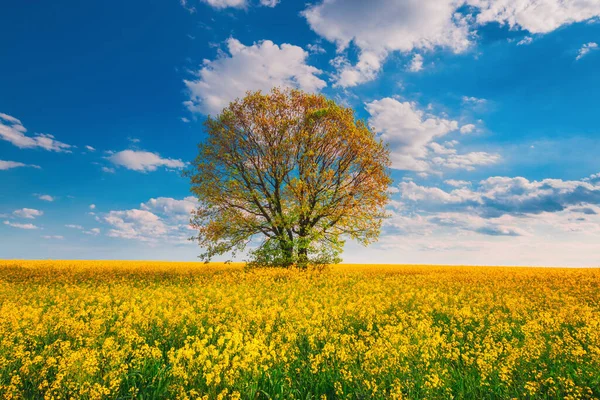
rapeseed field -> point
(151, 330)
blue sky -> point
(490, 108)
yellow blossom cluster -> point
(118, 329)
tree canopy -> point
(291, 173)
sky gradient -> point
(490, 108)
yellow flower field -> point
(152, 330)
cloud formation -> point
(21, 226)
(13, 131)
(498, 196)
(5, 165)
(142, 161)
(248, 68)
(586, 49)
(379, 27)
(45, 197)
(416, 64)
(411, 132)
(222, 4)
(29, 213)
(162, 219)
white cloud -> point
(525, 41)
(53, 237)
(456, 183)
(159, 219)
(410, 133)
(45, 197)
(408, 130)
(260, 66)
(497, 196)
(416, 64)
(90, 148)
(92, 206)
(93, 231)
(5, 165)
(136, 224)
(269, 3)
(108, 170)
(13, 131)
(172, 208)
(143, 161)
(20, 226)
(73, 226)
(226, 3)
(468, 128)
(467, 161)
(550, 213)
(535, 16)
(29, 213)
(315, 48)
(585, 49)
(473, 100)
(222, 4)
(379, 27)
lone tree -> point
(294, 169)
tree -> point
(295, 170)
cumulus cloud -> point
(20, 226)
(248, 68)
(142, 161)
(467, 161)
(411, 132)
(172, 208)
(315, 48)
(5, 165)
(416, 64)
(158, 219)
(408, 130)
(53, 237)
(456, 183)
(535, 16)
(473, 100)
(45, 197)
(269, 3)
(225, 3)
(29, 213)
(74, 226)
(497, 207)
(13, 131)
(585, 49)
(468, 128)
(525, 41)
(93, 231)
(379, 27)
(90, 148)
(135, 224)
(498, 196)
(222, 4)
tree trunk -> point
(303, 257)
(287, 251)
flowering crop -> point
(117, 329)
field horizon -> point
(338, 265)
